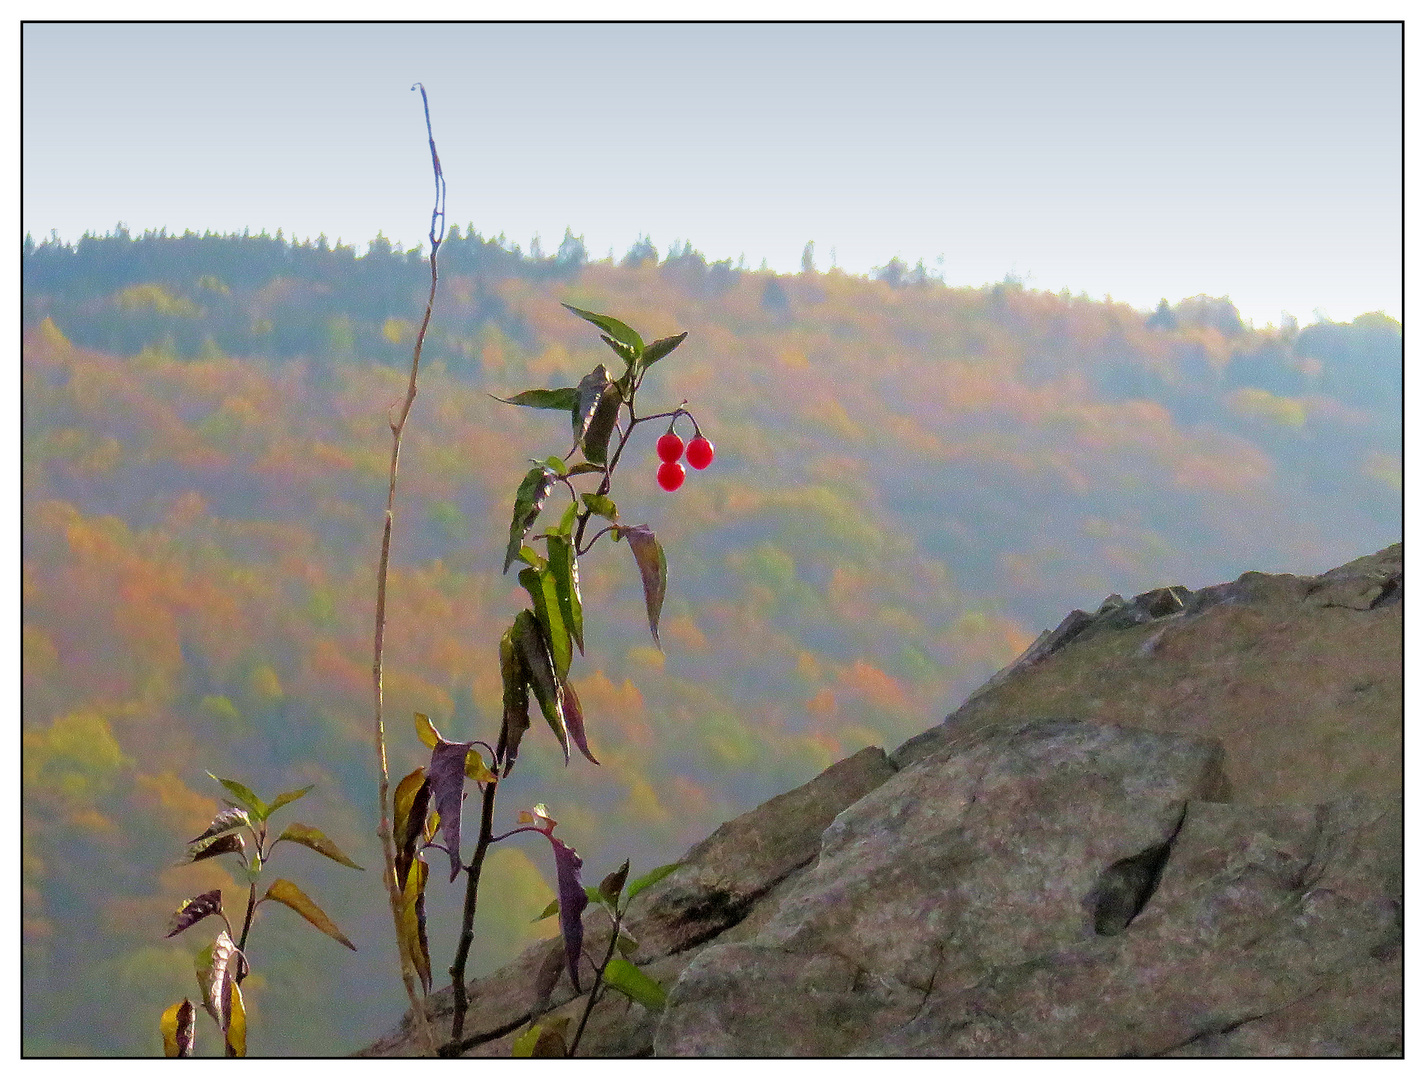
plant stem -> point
(467, 921)
(383, 830)
(594, 990)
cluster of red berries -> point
(670, 452)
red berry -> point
(670, 447)
(700, 453)
(670, 475)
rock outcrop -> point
(1172, 827)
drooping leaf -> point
(611, 326)
(625, 353)
(245, 797)
(415, 948)
(627, 978)
(446, 774)
(544, 596)
(477, 770)
(652, 568)
(529, 500)
(638, 884)
(288, 797)
(284, 892)
(562, 399)
(177, 1027)
(312, 837)
(574, 719)
(235, 1037)
(545, 1039)
(544, 982)
(612, 885)
(601, 505)
(408, 819)
(227, 964)
(234, 817)
(533, 652)
(627, 943)
(216, 845)
(601, 426)
(550, 909)
(203, 969)
(591, 392)
(426, 731)
(564, 566)
(657, 350)
(195, 910)
(572, 903)
(516, 700)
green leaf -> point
(516, 698)
(611, 326)
(562, 399)
(533, 652)
(623, 976)
(529, 500)
(585, 467)
(601, 505)
(552, 908)
(627, 944)
(626, 354)
(566, 523)
(657, 350)
(556, 465)
(652, 568)
(426, 731)
(591, 392)
(177, 1027)
(318, 841)
(243, 794)
(289, 797)
(612, 886)
(543, 1040)
(544, 593)
(564, 568)
(530, 557)
(284, 892)
(601, 426)
(651, 878)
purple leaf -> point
(516, 701)
(191, 911)
(216, 845)
(652, 567)
(446, 776)
(574, 720)
(233, 817)
(572, 902)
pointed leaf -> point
(426, 731)
(564, 566)
(566, 522)
(550, 909)
(556, 465)
(477, 770)
(562, 399)
(612, 327)
(545, 981)
(235, 1037)
(177, 1027)
(227, 965)
(245, 797)
(415, 948)
(626, 354)
(601, 426)
(408, 819)
(533, 652)
(574, 719)
(447, 783)
(516, 700)
(529, 500)
(203, 969)
(312, 837)
(625, 977)
(216, 845)
(627, 943)
(195, 910)
(657, 350)
(289, 797)
(539, 817)
(585, 467)
(284, 892)
(591, 392)
(572, 903)
(545, 1039)
(523, 1046)
(234, 817)
(651, 878)
(544, 595)
(601, 505)
(612, 885)
(652, 567)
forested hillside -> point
(911, 482)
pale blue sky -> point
(1259, 162)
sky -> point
(1260, 162)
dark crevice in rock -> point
(1218, 1030)
(1392, 592)
(1123, 890)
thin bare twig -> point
(437, 234)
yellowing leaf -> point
(426, 730)
(235, 1040)
(312, 837)
(476, 769)
(177, 1028)
(284, 892)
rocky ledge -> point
(1172, 827)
